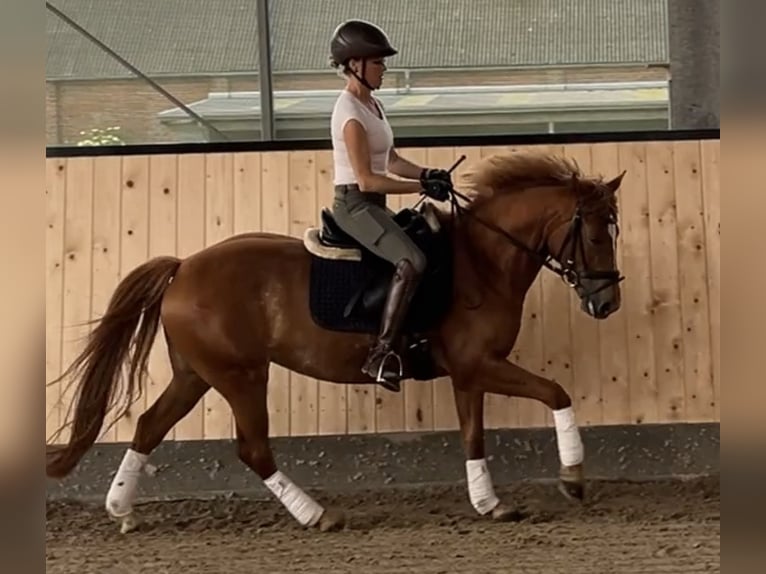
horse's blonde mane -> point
(513, 171)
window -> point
(188, 70)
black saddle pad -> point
(335, 284)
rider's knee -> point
(418, 261)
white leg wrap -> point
(568, 437)
(480, 489)
(122, 492)
(303, 508)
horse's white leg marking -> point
(303, 508)
(570, 445)
(481, 492)
(122, 492)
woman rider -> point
(363, 153)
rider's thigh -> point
(374, 228)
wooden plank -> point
(163, 194)
(500, 411)
(276, 218)
(665, 308)
(134, 250)
(583, 376)
(418, 400)
(304, 417)
(361, 408)
(78, 226)
(389, 407)
(692, 257)
(636, 263)
(613, 332)
(331, 396)
(529, 351)
(107, 225)
(55, 192)
(711, 195)
(190, 231)
(444, 411)
(556, 327)
(472, 155)
(247, 192)
(219, 225)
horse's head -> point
(584, 242)
(544, 205)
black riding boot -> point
(383, 363)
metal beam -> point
(264, 72)
(694, 30)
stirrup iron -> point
(379, 378)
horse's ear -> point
(614, 184)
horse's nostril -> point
(604, 308)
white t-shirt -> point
(380, 138)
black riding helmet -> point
(358, 39)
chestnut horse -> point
(233, 308)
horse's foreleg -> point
(184, 391)
(248, 400)
(481, 492)
(505, 378)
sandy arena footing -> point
(663, 526)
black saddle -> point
(349, 296)
(332, 235)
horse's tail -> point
(99, 365)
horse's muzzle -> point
(600, 301)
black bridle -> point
(567, 270)
(564, 268)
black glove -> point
(438, 189)
(432, 173)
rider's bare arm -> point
(359, 155)
(403, 167)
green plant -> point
(101, 136)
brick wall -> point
(132, 104)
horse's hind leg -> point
(185, 390)
(481, 491)
(248, 399)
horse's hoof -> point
(504, 513)
(332, 521)
(572, 482)
(128, 522)
(574, 491)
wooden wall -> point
(657, 360)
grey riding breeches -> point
(366, 218)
